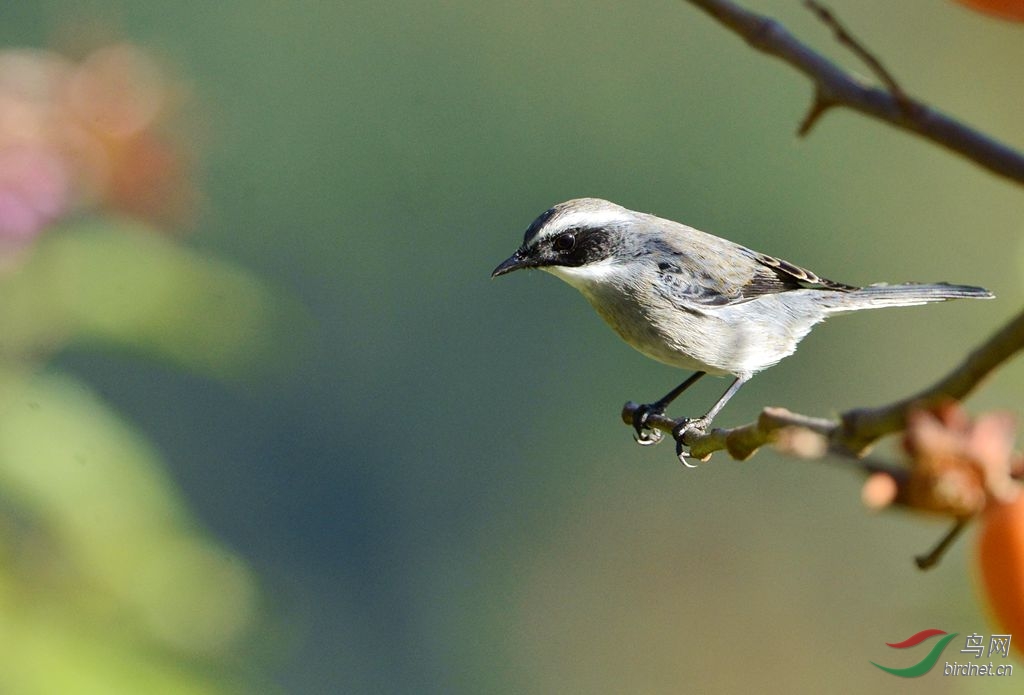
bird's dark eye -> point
(565, 242)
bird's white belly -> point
(739, 339)
(717, 340)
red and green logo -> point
(924, 665)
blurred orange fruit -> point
(1001, 562)
(1006, 9)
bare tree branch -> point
(837, 87)
(855, 430)
(864, 425)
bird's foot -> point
(683, 429)
(644, 435)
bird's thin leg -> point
(646, 437)
(701, 424)
(729, 393)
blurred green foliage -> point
(438, 496)
(115, 285)
(109, 585)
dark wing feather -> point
(773, 275)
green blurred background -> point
(423, 485)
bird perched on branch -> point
(693, 300)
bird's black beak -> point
(514, 262)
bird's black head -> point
(571, 234)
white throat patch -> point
(586, 276)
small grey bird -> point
(693, 300)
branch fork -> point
(834, 87)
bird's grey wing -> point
(698, 270)
(695, 270)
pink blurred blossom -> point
(88, 136)
(34, 191)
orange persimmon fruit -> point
(1005, 9)
(1001, 563)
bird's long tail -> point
(908, 294)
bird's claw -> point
(684, 427)
(647, 437)
(683, 455)
(644, 435)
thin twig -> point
(845, 38)
(818, 108)
(932, 557)
(835, 86)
